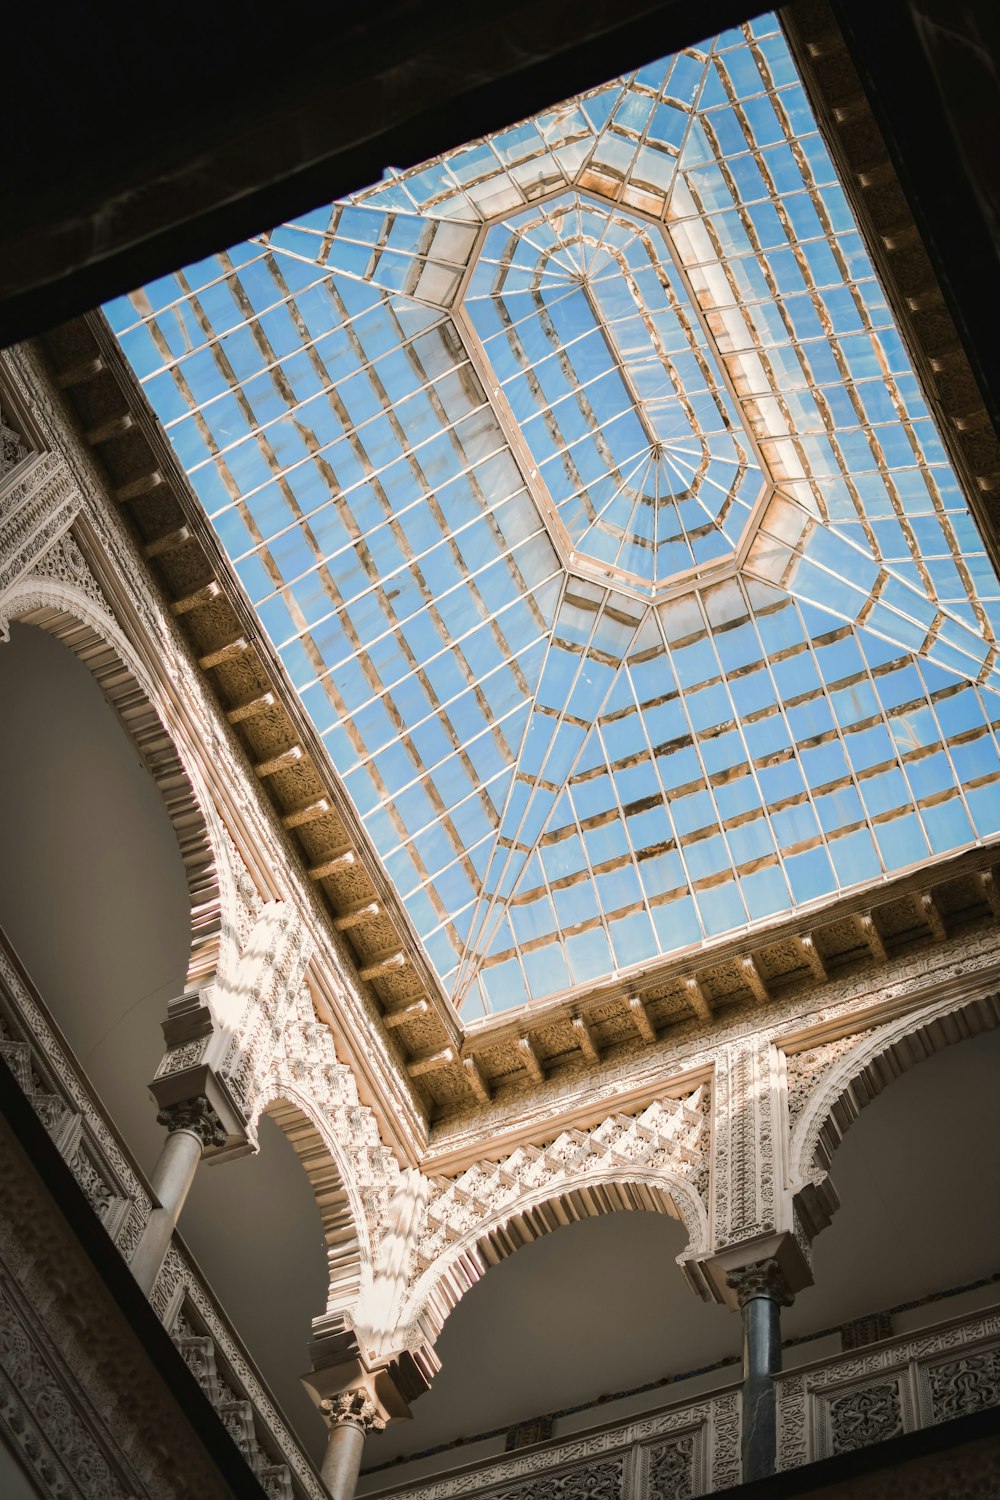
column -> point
(351, 1415)
(192, 1126)
(761, 1291)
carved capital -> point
(762, 1278)
(354, 1408)
(197, 1116)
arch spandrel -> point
(655, 1162)
(830, 1085)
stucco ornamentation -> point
(354, 1408)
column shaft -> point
(342, 1460)
(172, 1178)
(761, 1362)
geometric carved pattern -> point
(865, 1416)
(886, 1389)
(670, 1470)
(968, 1384)
(600, 1482)
(654, 1160)
(672, 1455)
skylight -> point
(582, 482)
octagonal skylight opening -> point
(592, 342)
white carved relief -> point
(696, 1445)
(78, 1128)
(852, 1071)
(314, 1098)
(901, 1385)
(37, 507)
(745, 1097)
(654, 1160)
(255, 1007)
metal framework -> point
(582, 482)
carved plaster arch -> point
(655, 1161)
(337, 1194)
(857, 1069)
(584, 1195)
(313, 1097)
(61, 597)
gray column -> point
(762, 1293)
(351, 1415)
(192, 1125)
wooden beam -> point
(530, 1060)
(697, 999)
(282, 762)
(640, 1019)
(79, 373)
(431, 1062)
(584, 1038)
(205, 595)
(224, 653)
(476, 1079)
(813, 957)
(170, 541)
(754, 980)
(869, 934)
(390, 963)
(991, 890)
(111, 427)
(364, 912)
(151, 480)
(251, 708)
(308, 812)
(412, 1012)
(929, 912)
(336, 864)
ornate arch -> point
(653, 1162)
(61, 597)
(348, 1248)
(834, 1083)
(313, 1097)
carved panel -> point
(670, 1455)
(868, 1414)
(964, 1385)
(671, 1470)
(590, 1482)
(902, 1384)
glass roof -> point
(582, 482)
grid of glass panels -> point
(564, 780)
(599, 354)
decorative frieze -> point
(684, 1451)
(894, 1387)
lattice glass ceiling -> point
(582, 482)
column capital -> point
(353, 1408)
(761, 1278)
(196, 1116)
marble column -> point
(762, 1292)
(192, 1127)
(351, 1415)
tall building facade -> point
(549, 600)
